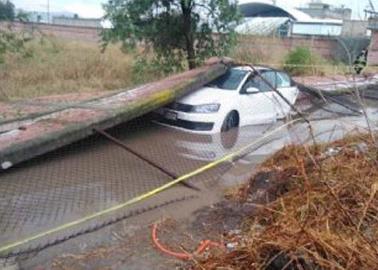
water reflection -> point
(325, 125)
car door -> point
(287, 89)
(258, 108)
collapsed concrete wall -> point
(34, 136)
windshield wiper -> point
(212, 85)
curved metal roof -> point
(263, 9)
(261, 26)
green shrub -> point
(301, 61)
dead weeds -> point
(324, 214)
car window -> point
(283, 80)
(230, 80)
(254, 81)
(269, 76)
(258, 82)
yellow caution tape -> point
(144, 196)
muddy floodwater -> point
(95, 174)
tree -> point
(175, 29)
(7, 12)
(23, 16)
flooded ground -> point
(96, 174)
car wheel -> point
(231, 121)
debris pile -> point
(322, 213)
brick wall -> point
(62, 31)
(325, 47)
(373, 51)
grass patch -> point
(325, 217)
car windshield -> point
(229, 81)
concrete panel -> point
(45, 133)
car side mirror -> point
(252, 90)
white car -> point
(238, 98)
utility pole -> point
(48, 11)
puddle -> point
(95, 174)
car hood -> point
(207, 95)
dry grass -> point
(259, 50)
(327, 218)
(60, 67)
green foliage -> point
(146, 68)
(301, 61)
(7, 12)
(23, 16)
(174, 29)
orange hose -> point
(180, 255)
(206, 244)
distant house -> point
(351, 27)
(326, 11)
(78, 22)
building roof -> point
(261, 26)
(264, 9)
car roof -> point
(258, 68)
(248, 68)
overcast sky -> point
(92, 8)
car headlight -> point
(206, 108)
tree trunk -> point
(186, 7)
(191, 55)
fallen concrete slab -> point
(37, 135)
(336, 85)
